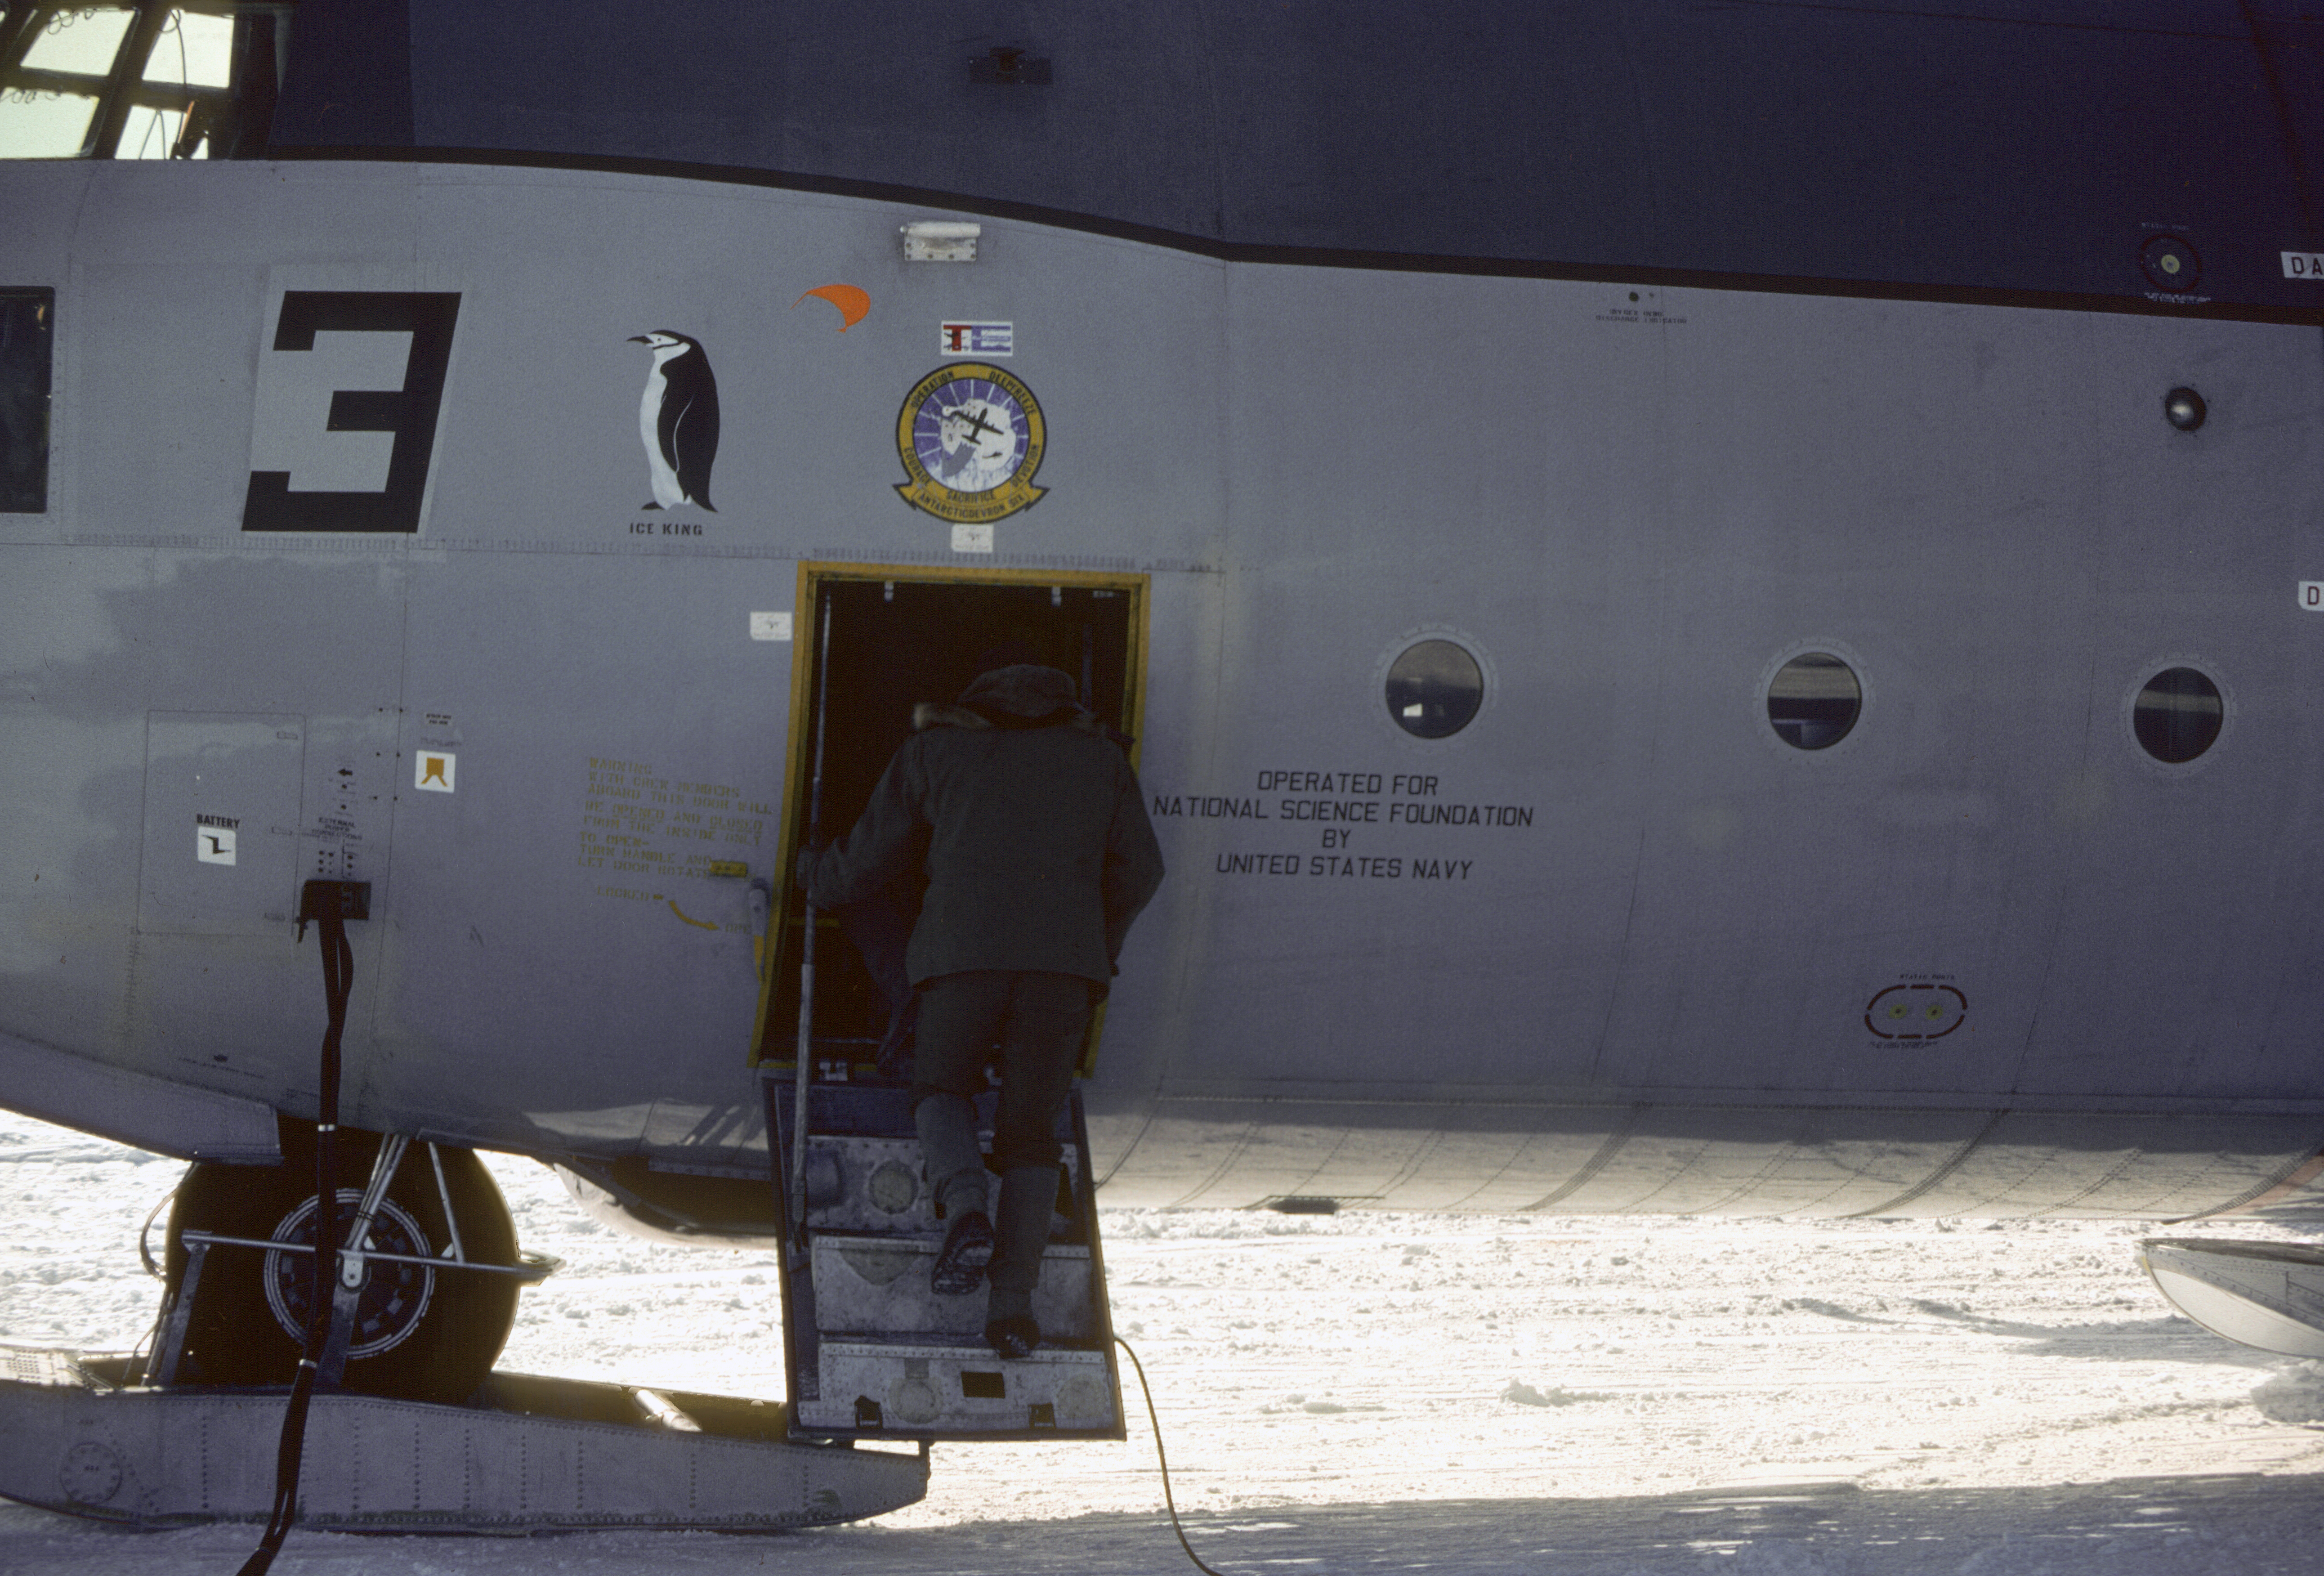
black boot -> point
(1013, 1337)
(967, 1249)
(1028, 1194)
(956, 1176)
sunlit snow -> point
(1440, 1393)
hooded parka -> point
(1029, 821)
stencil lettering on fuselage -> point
(1336, 807)
(647, 834)
(344, 425)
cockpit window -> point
(27, 325)
(138, 80)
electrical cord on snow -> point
(338, 985)
(1166, 1498)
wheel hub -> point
(392, 1298)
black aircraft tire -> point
(421, 1335)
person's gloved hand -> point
(803, 869)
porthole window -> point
(1435, 688)
(2177, 716)
(1813, 701)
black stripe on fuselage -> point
(1592, 273)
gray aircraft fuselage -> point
(353, 550)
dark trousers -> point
(1037, 1018)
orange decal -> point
(851, 302)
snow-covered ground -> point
(1459, 1394)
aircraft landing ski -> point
(526, 1454)
(2264, 1294)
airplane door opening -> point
(872, 643)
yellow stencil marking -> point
(699, 923)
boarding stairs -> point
(873, 1350)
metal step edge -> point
(920, 1344)
(883, 1285)
(918, 1243)
(846, 1162)
(932, 1388)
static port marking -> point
(1910, 1016)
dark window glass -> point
(1813, 701)
(2178, 714)
(27, 320)
(1435, 688)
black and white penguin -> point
(677, 421)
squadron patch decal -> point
(971, 436)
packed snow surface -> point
(1453, 1394)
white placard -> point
(771, 626)
(2311, 595)
(2303, 264)
(972, 539)
(214, 844)
(434, 771)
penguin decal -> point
(677, 421)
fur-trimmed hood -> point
(1024, 696)
(938, 714)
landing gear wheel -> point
(421, 1333)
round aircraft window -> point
(1813, 701)
(1433, 689)
(2177, 716)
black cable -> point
(140, 1365)
(338, 985)
(1166, 1497)
(145, 1252)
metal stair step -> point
(957, 1389)
(867, 1285)
(860, 1182)
(870, 1350)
